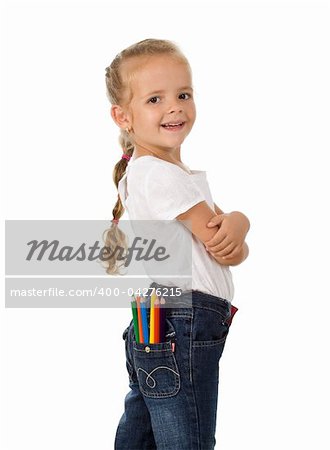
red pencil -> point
(138, 307)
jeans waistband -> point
(194, 298)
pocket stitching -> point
(165, 347)
(174, 369)
(177, 376)
(209, 343)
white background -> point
(261, 77)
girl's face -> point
(162, 111)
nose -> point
(175, 106)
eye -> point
(153, 100)
(185, 96)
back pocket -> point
(156, 367)
(210, 327)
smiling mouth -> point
(173, 126)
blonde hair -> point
(117, 87)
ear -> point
(120, 116)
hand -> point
(229, 239)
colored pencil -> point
(157, 320)
(135, 320)
(162, 320)
(144, 320)
(141, 338)
(152, 317)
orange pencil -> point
(141, 338)
(156, 320)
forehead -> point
(155, 72)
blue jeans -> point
(172, 402)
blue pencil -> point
(144, 320)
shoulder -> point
(165, 189)
(144, 163)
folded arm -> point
(215, 237)
(229, 241)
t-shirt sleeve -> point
(170, 191)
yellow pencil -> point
(152, 317)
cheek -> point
(144, 122)
(151, 116)
(192, 115)
(138, 118)
(191, 110)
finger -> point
(218, 238)
(216, 220)
(220, 246)
(233, 253)
(225, 251)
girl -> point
(172, 403)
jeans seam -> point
(190, 350)
(198, 344)
(192, 383)
(130, 368)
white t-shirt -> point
(154, 189)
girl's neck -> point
(173, 157)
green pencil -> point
(135, 321)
